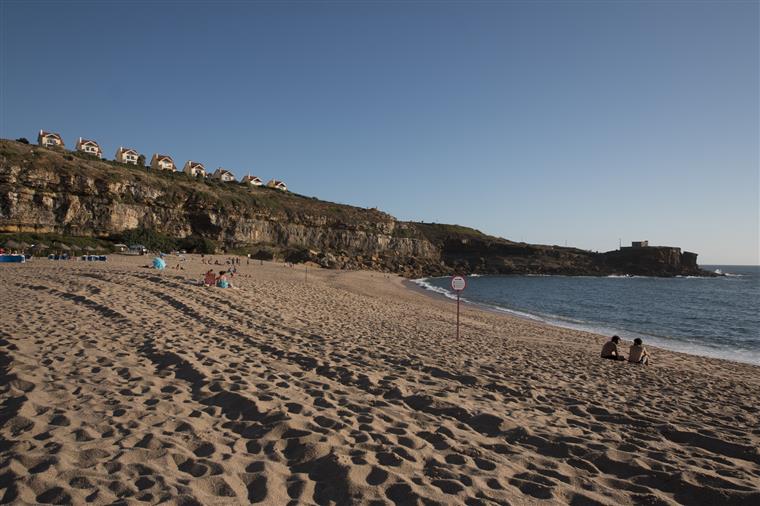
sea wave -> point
(423, 283)
(720, 272)
(514, 312)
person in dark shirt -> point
(610, 349)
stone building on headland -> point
(642, 259)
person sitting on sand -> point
(222, 281)
(209, 279)
(637, 354)
(610, 349)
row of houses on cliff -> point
(157, 161)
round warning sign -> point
(458, 283)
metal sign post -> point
(457, 316)
(458, 284)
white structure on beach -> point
(278, 185)
(89, 146)
(195, 169)
(50, 139)
(252, 180)
(223, 175)
(126, 155)
(162, 162)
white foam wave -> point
(423, 283)
(514, 312)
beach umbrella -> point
(10, 243)
(62, 247)
(159, 263)
(89, 248)
(40, 245)
(23, 245)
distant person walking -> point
(610, 349)
(637, 354)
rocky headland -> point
(48, 191)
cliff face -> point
(50, 191)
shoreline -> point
(654, 342)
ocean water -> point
(718, 317)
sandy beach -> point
(122, 384)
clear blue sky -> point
(549, 122)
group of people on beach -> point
(229, 261)
(637, 354)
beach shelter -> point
(159, 263)
(37, 248)
(138, 248)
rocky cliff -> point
(52, 191)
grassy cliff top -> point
(178, 184)
(178, 187)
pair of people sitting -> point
(637, 354)
(210, 279)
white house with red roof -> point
(195, 169)
(162, 162)
(223, 175)
(252, 180)
(127, 155)
(89, 147)
(50, 139)
(278, 185)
